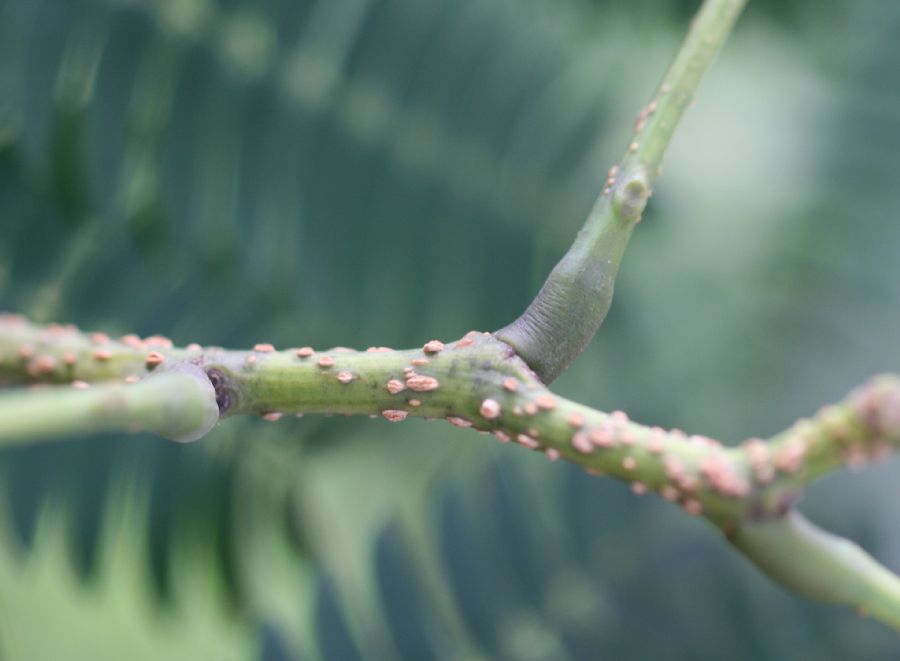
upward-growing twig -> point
(488, 382)
(570, 307)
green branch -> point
(573, 302)
(494, 384)
(478, 381)
(821, 566)
(179, 405)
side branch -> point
(821, 566)
(573, 302)
(179, 405)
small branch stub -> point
(630, 197)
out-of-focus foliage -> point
(357, 172)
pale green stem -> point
(821, 566)
(477, 382)
(573, 302)
(179, 405)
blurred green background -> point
(358, 172)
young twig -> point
(570, 307)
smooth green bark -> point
(178, 405)
(821, 566)
(574, 300)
